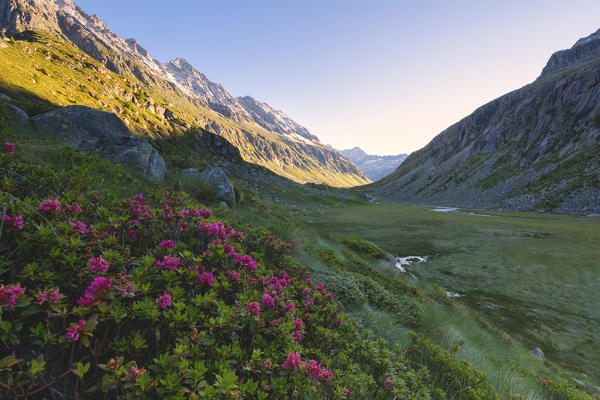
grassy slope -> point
(531, 275)
(42, 72)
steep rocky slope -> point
(374, 167)
(536, 148)
(158, 99)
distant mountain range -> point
(162, 99)
(534, 149)
(374, 167)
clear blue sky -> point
(384, 75)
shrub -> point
(364, 247)
(158, 298)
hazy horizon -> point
(386, 76)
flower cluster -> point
(9, 147)
(74, 331)
(98, 265)
(10, 294)
(51, 206)
(14, 222)
(312, 367)
(53, 296)
(170, 263)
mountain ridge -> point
(191, 100)
(375, 167)
(532, 149)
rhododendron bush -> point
(154, 296)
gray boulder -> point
(217, 179)
(537, 353)
(17, 114)
(102, 133)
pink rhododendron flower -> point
(297, 336)
(167, 244)
(9, 147)
(99, 284)
(246, 262)
(293, 361)
(41, 298)
(321, 287)
(52, 206)
(229, 250)
(206, 277)
(339, 321)
(268, 301)
(288, 245)
(308, 280)
(74, 331)
(326, 375)
(170, 263)
(131, 234)
(15, 222)
(254, 308)
(306, 292)
(74, 208)
(80, 227)
(234, 275)
(164, 300)
(289, 307)
(98, 265)
(329, 296)
(127, 290)
(55, 296)
(87, 300)
(298, 323)
(388, 382)
(10, 295)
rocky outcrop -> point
(534, 149)
(584, 49)
(274, 120)
(216, 178)
(374, 167)
(102, 133)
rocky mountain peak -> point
(585, 49)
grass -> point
(532, 276)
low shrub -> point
(364, 247)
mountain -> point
(534, 149)
(374, 167)
(155, 99)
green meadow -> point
(525, 280)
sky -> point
(384, 75)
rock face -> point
(534, 149)
(374, 167)
(248, 124)
(216, 178)
(100, 132)
(274, 120)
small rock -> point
(217, 179)
(537, 353)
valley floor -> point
(534, 277)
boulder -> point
(102, 133)
(217, 179)
(4, 97)
(537, 353)
(17, 114)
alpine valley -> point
(163, 239)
